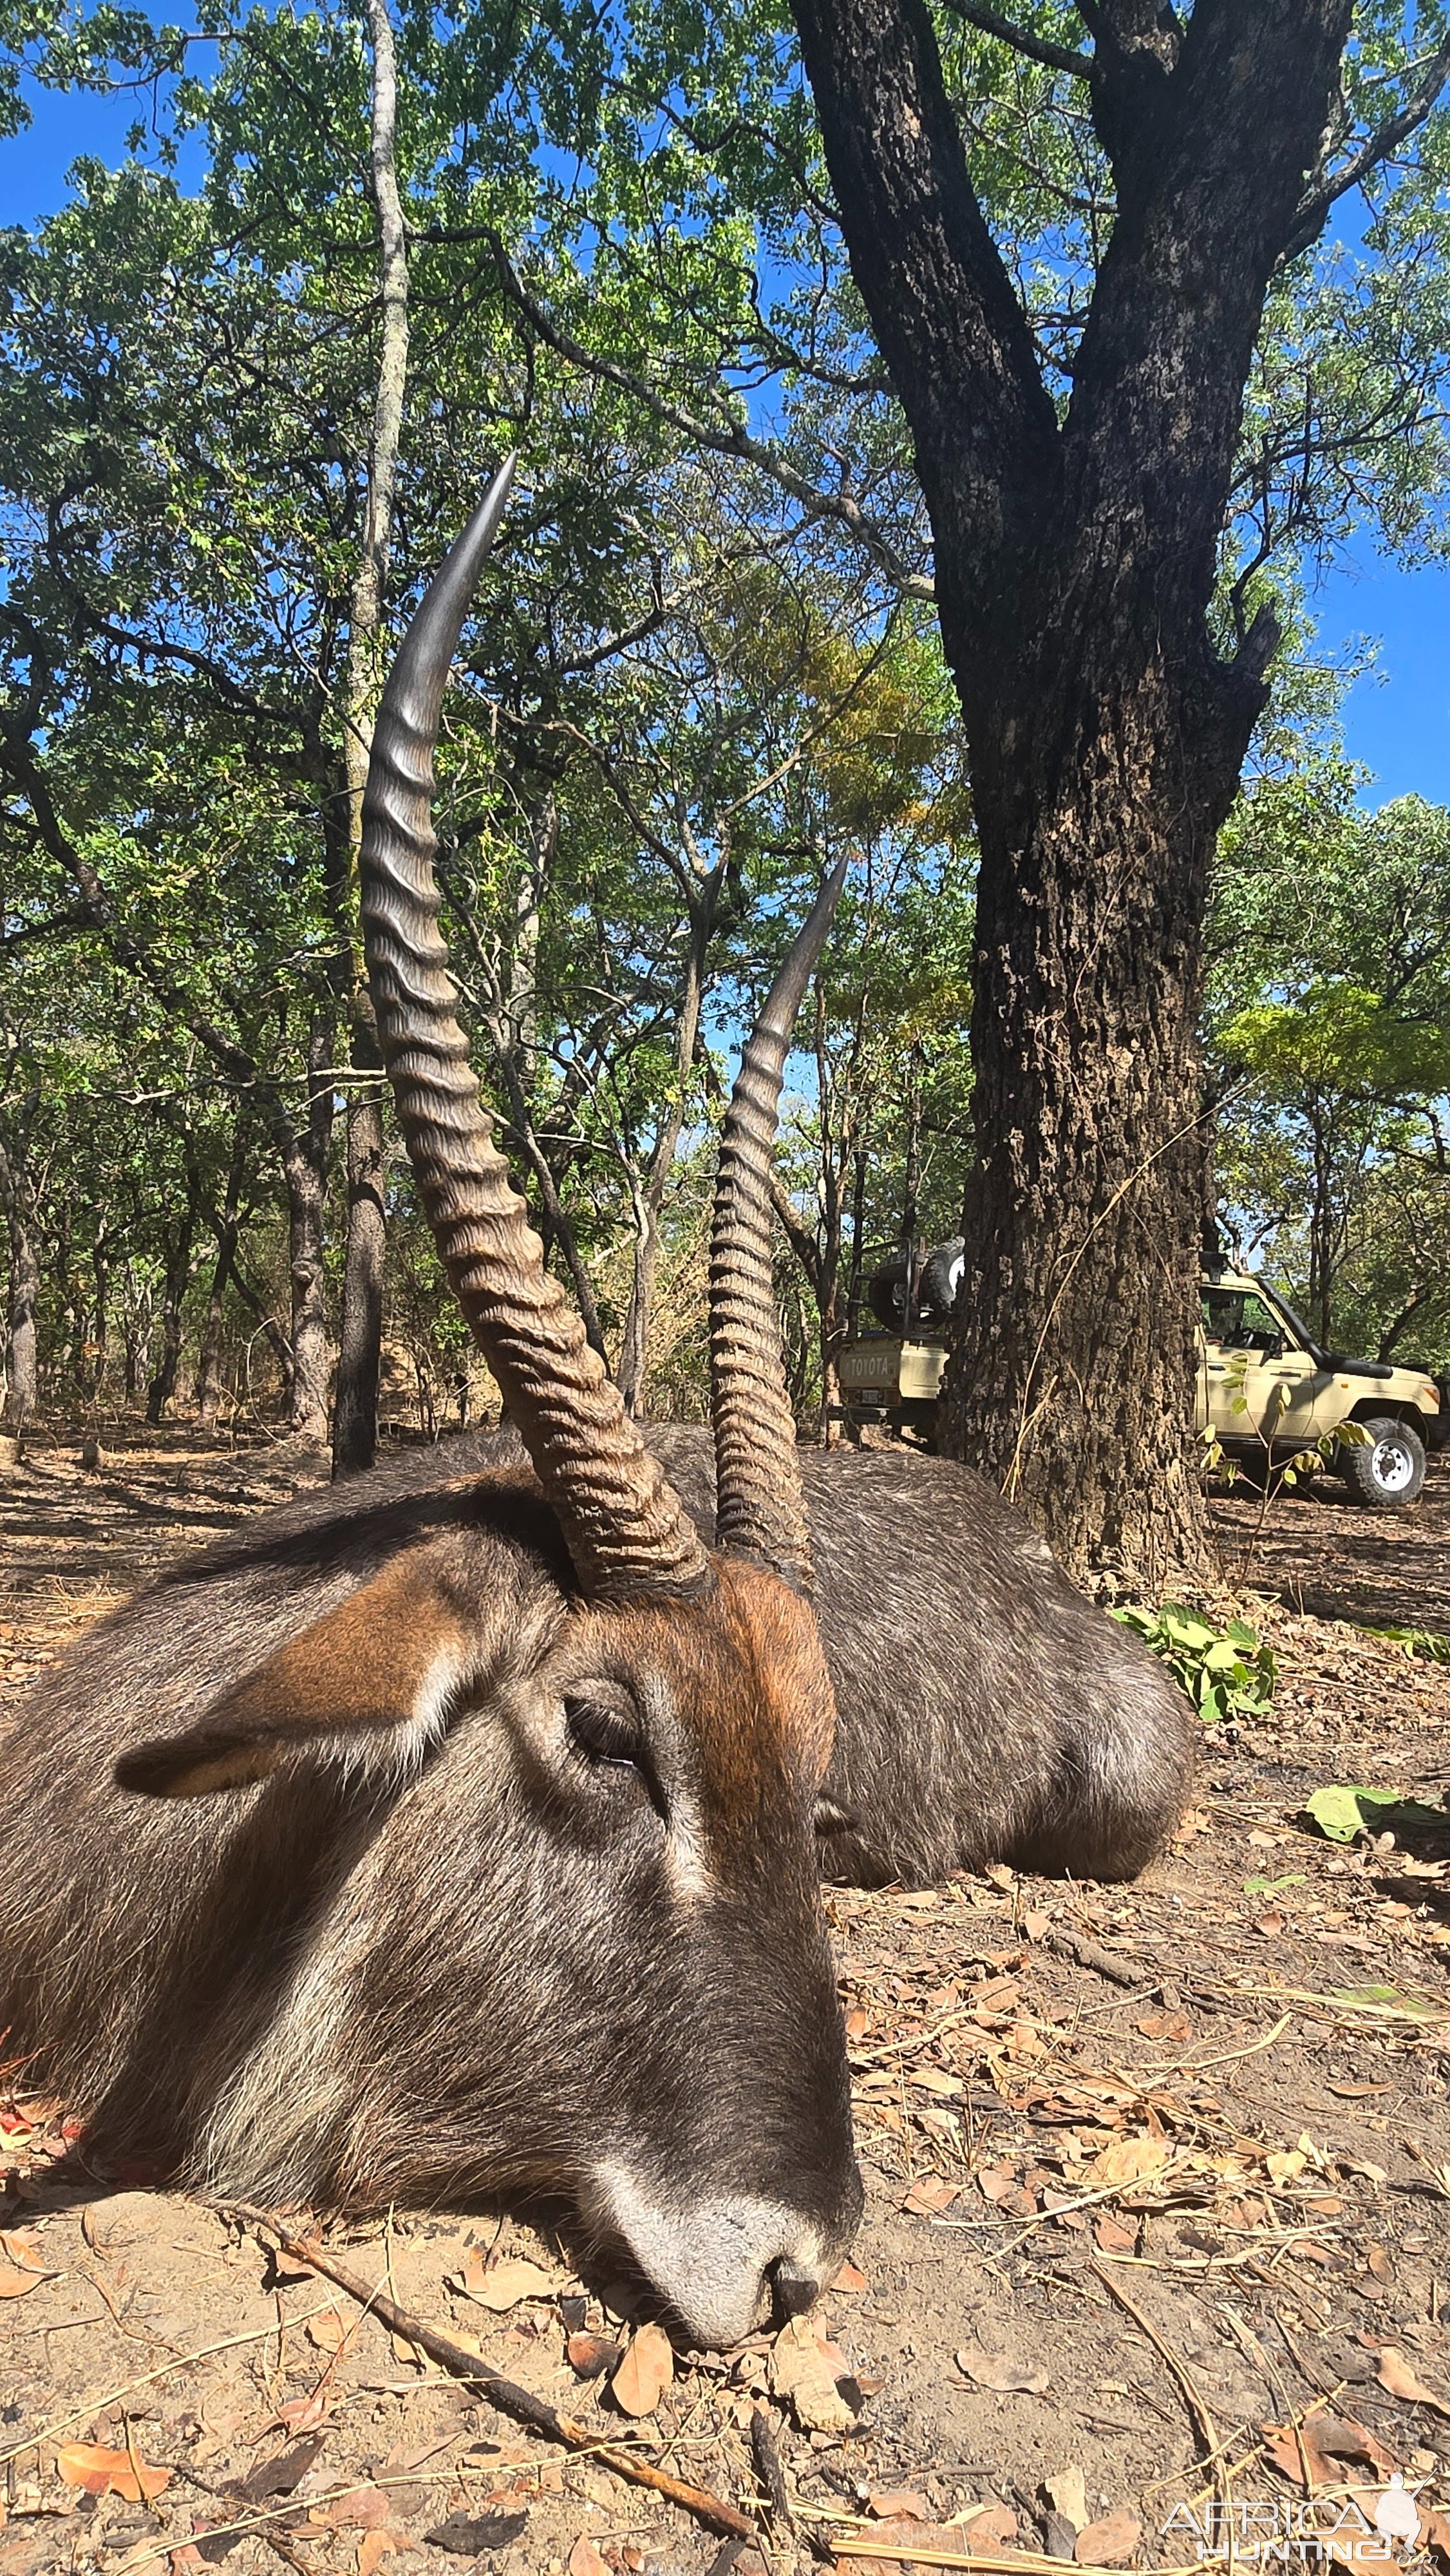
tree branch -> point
(802, 1242)
(1055, 58)
(946, 315)
(1315, 204)
(733, 441)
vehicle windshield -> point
(1237, 1319)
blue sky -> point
(1397, 719)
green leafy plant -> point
(1425, 1642)
(1343, 1811)
(1226, 1672)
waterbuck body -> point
(459, 1831)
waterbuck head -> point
(581, 1944)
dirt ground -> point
(1158, 2189)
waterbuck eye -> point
(603, 1733)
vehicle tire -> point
(936, 1291)
(886, 1296)
(1389, 1470)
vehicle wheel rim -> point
(1392, 1465)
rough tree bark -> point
(1075, 565)
(179, 1267)
(303, 1146)
(648, 1194)
(226, 1226)
(355, 1418)
(22, 1373)
(507, 994)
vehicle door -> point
(1259, 1383)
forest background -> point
(250, 383)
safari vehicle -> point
(1265, 1387)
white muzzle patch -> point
(711, 2260)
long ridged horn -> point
(759, 1506)
(625, 1529)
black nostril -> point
(791, 2290)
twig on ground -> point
(1013, 2562)
(1204, 2425)
(503, 2393)
(766, 2455)
(1088, 1954)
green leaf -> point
(1341, 1812)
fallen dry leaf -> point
(902, 2505)
(590, 2355)
(994, 2182)
(849, 2281)
(503, 2285)
(928, 2196)
(999, 2370)
(304, 2414)
(329, 2329)
(1125, 2161)
(1342, 2437)
(585, 2560)
(1297, 2457)
(1396, 2375)
(364, 2509)
(14, 2283)
(90, 2466)
(989, 2525)
(645, 2372)
(375, 2546)
(1165, 2025)
(1109, 2543)
(1112, 2237)
(1067, 2493)
(808, 2370)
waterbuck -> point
(458, 1831)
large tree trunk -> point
(1072, 1377)
(1075, 565)
(355, 1421)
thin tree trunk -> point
(304, 1149)
(360, 1331)
(226, 1225)
(179, 1266)
(275, 1339)
(355, 1421)
(649, 1198)
(22, 1388)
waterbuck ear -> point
(383, 1665)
